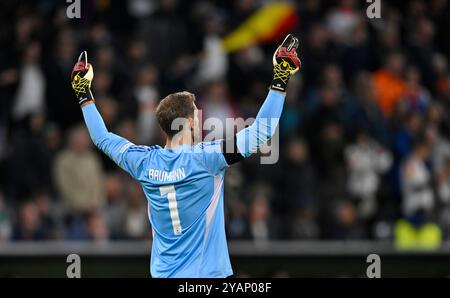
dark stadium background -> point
(364, 138)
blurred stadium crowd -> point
(364, 137)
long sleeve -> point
(127, 155)
(250, 139)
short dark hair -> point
(173, 106)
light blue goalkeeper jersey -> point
(184, 189)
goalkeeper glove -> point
(285, 63)
(82, 76)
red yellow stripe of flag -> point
(267, 24)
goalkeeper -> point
(183, 181)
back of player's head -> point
(173, 106)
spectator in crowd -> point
(263, 226)
(135, 222)
(366, 114)
(5, 220)
(297, 193)
(416, 97)
(217, 108)
(318, 51)
(78, 175)
(422, 50)
(356, 55)
(57, 65)
(115, 197)
(237, 221)
(31, 89)
(213, 64)
(92, 226)
(389, 83)
(147, 96)
(127, 211)
(29, 225)
(96, 227)
(418, 228)
(326, 136)
(345, 222)
(366, 161)
(292, 119)
(30, 168)
(236, 208)
(343, 20)
(418, 196)
(443, 181)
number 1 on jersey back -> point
(169, 190)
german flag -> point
(268, 24)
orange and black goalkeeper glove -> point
(285, 63)
(81, 77)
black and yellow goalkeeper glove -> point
(82, 76)
(285, 63)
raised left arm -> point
(127, 155)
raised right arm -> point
(249, 140)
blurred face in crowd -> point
(43, 203)
(318, 37)
(414, 123)
(113, 188)
(347, 4)
(312, 5)
(412, 76)
(99, 34)
(390, 37)
(37, 122)
(148, 75)
(417, 8)
(332, 75)
(53, 137)
(431, 135)
(97, 228)
(360, 34)
(423, 150)
(32, 53)
(137, 50)
(362, 138)
(109, 109)
(135, 196)
(395, 63)
(329, 96)
(79, 141)
(29, 217)
(102, 82)
(127, 129)
(66, 48)
(365, 88)
(105, 57)
(425, 31)
(297, 151)
(438, 6)
(169, 5)
(245, 5)
(260, 209)
(435, 114)
(332, 134)
(217, 91)
(346, 213)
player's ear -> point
(191, 122)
